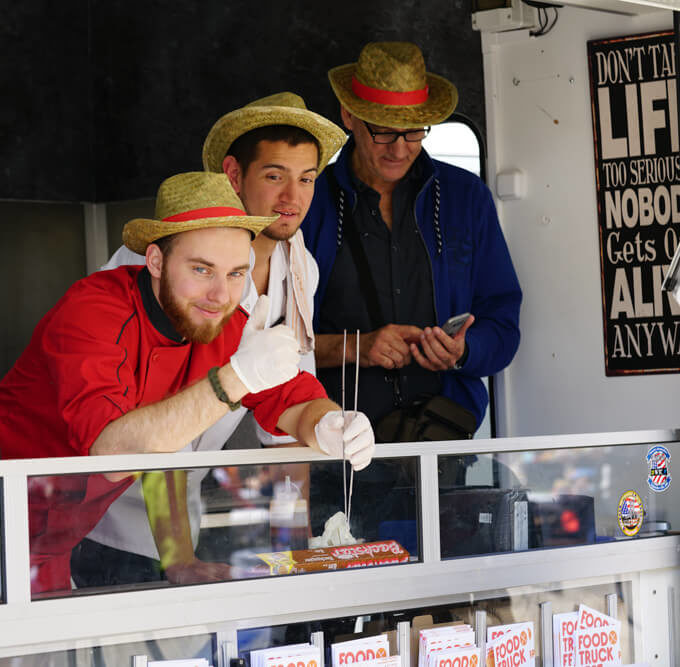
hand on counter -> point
(197, 572)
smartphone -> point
(454, 324)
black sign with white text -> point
(637, 169)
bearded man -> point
(144, 359)
(272, 149)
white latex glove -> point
(357, 435)
(265, 358)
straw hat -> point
(278, 109)
(194, 200)
(389, 86)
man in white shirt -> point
(271, 150)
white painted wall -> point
(539, 120)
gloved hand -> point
(357, 435)
(265, 358)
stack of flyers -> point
(298, 655)
(586, 638)
(457, 657)
(444, 639)
(564, 638)
(511, 645)
(361, 650)
(597, 640)
(193, 662)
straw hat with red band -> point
(277, 109)
(194, 200)
(388, 86)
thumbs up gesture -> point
(265, 358)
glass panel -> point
(491, 503)
(503, 607)
(216, 525)
(175, 648)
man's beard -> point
(178, 316)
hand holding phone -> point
(454, 324)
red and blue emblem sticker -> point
(630, 513)
(658, 462)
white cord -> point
(356, 404)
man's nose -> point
(399, 148)
(290, 191)
(219, 292)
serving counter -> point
(498, 531)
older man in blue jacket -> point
(403, 243)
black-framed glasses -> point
(391, 137)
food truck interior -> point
(569, 112)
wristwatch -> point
(219, 389)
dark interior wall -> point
(42, 253)
(45, 114)
(119, 213)
(143, 82)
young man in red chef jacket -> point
(144, 359)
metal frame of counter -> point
(223, 608)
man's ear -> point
(347, 119)
(233, 170)
(154, 260)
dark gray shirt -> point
(400, 267)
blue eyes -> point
(206, 272)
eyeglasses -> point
(391, 137)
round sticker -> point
(659, 478)
(630, 513)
